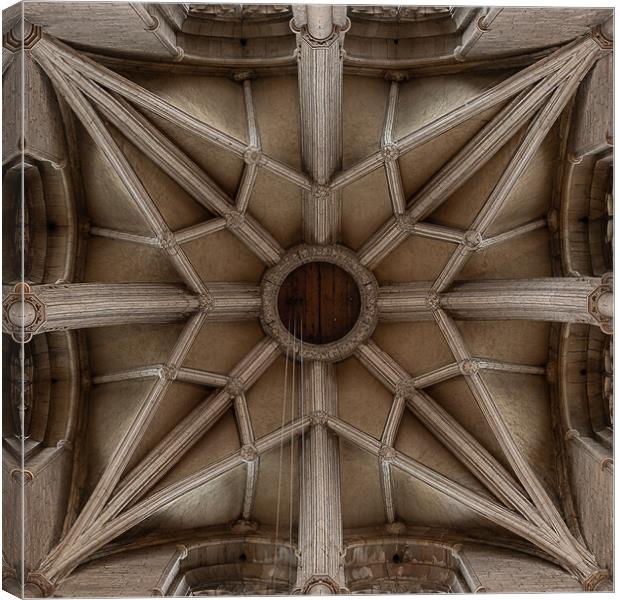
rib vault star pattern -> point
(510, 493)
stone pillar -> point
(30, 310)
(320, 33)
(320, 570)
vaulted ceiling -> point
(180, 161)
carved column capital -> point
(321, 585)
(596, 580)
(41, 582)
(23, 313)
(395, 528)
(243, 526)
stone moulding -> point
(367, 286)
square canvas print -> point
(306, 299)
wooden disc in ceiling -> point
(322, 300)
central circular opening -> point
(319, 302)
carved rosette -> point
(168, 242)
(366, 284)
(248, 453)
(235, 220)
(205, 302)
(320, 192)
(319, 418)
(253, 156)
(468, 367)
(390, 152)
(234, 387)
(169, 373)
(472, 239)
(405, 223)
(433, 300)
(23, 313)
(404, 388)
(387, 453)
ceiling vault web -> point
(110, 107)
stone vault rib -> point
(320, 35)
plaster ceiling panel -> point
(462, 207)
(523, 401)
(456, 399)
(177, 207)
(218, 501)
(524, 257)
(217, 101)
(106, 199)
(414, 259)
(419, 347)
(220, 165)
(179, 400)
(125, 347)
(111, 410)
(220, 346)
(268, 402)
(418, 504)
(220, 441)
(530, 198)
(362, 400)
(524, 342)
(360, 488)
(424, 99)
(223, 257)
(366, 206)
(277, 205)
(276, 489)
(417, 442)
(419, 165)
(115, 261)
(276, 102)
(364, 101)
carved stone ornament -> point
(405, 223)
(600, 304)
(319, 418)
(234, 387)
(15, 39)
(404, 388)
(240, 11)
(168, 372)
(387, 453)
(248, 453)
(235, 220)
(595, 580)
(468, 367)
(253, 156)
(433, 300)
(395, 528)
(23, 313)
(366, 284)
(320, 580)
(168, 242)
(243, 526)
(205, 302)
(472, 239)
(320, 192)
(601, 39)
(390, 152)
